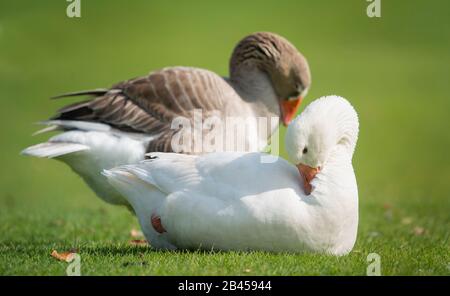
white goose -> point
(233, 201)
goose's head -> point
(284, 65)
(326, 124)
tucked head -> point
(310, 139)
(285, 66)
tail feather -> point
(135, 170)
(53, 149)
(92, 92)
(118, 177)
(133, 188)
(47, 129)
(73, 125)
(130, 174)
(64, 125)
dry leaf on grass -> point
(64, 256)
(139, 242)
(419, 230)
(136, 233)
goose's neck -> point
(347, 132)
(255, 87)
(335, 186)
(339, 119)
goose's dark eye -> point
(293, 96)
(305, 150)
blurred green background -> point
(395, 70)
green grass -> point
(395, 71)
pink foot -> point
(156, 223)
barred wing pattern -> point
(149, 104)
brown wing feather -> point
(149, 104)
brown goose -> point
(268, 78)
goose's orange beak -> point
(307, 173)
(288, 109)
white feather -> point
(51, 150)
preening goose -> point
(233, 201)
(268, 78)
